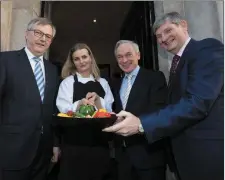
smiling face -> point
(35, 43)
(82, 60)
(172, 36)
(127, 57)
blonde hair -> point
(69, 67)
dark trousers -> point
(36, 171)
(127, 170)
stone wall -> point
(6, 20)
(15, 16)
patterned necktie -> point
(127, 91)
(39, 76)
(174, 64)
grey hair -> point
(41, 21)
(135, 45)
(173, 17)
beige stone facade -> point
(205, 19)
(6, 20)
(15, 16)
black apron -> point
(85, 150)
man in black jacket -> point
(194, 116)
(139, 91)
(28, 84)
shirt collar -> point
(134, 72)
(183, 47)
(79, 75)
(30, 55)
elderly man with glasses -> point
(28, 84)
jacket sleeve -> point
(205, 82)
(56, 129)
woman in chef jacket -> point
(84, 153)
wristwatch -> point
(141, 129)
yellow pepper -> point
(63, 115)
(102, 110)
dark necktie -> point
(174, 64)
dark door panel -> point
(138, 27)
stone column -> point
(22, 13)
(220, 5)
(47, 14)
(6, 20)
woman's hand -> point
(84, 101)
(94, 98)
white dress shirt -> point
(33, 62)
(64, 99)
(125, 82)
(183, 47)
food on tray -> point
(99, 114)
(63, 115)
(87, 111)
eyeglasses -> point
(40, 34)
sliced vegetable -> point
(102, 114)
(86, 110)
(94, 114)
(70, 113)
(80, 115)
(63, 115)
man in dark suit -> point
(28, 84)
(194, 117)
(139, 91)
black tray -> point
(84, 122)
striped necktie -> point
(127, 91)
(39, 76)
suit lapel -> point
(181, 63)
(47, 79)
(118, 86)
(134, 91)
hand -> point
(94, 97)
(85, 101)
(126, 127)
(119, 119)
(56, 154)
